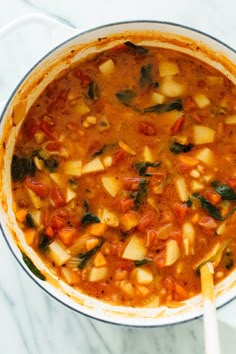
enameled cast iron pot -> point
(152, 33)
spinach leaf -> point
(89, 218)
(125, 96)
(21, 167)
(84, 257)
(137, 48)
(44, 242)
(165, 107)
(212, 209)
(93, 91)
(32, 267)
(141, 167)
(103, 149)
(142, 191)
(145, 76)
(29, 221)
(224, 191)
(142, 262)
(177, 148)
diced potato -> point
(135, 249)
(39, 137)
(172, 252)
(188, 238)
(58, 253)
(221, 229)
(91, 243)
(195, 173)
(201, 100)
(143, 275)
(98, 229)
(171, 88)
(111, 185)
(205, 155)
(143, 290)
(35, 200)
(93, 166)
(181, 188)
(70, 195)
(91, 120)
(215, 80)
(156, 98)
(107, 161)
(148, 154)
(109, 218)
(230, 120)
(37, 216)
(81, 107)
(128, 221)
(203, 135)
(127, 287)
(73, 168)
(67, 274)
(99, 260)
(56, 177)
(97, 274)
(167, 68)
(164, 231)
(38, 163)
(196, 186)
(107, 67)
(126, 148)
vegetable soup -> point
(124, 177)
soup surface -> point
(124, 177)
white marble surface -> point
(31, 322)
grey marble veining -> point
(31, 322)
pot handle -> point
(23, 42)
(57, 28)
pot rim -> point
(60, 296)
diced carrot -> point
(91, 243)
(30, 128)
(175, 129)
(231, 181)
(39, 188)
(98, 229)
(213, 197)
(190, 161)
(180, 210)
(126, 204)
(21, 215)
(180, 293)
(146, 221)
(30, 235)
(67, 235)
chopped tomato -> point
(39, 188)
(118, 157)
(213, 197)
(84, 79)
(146, 221)
(124, 264)
(30, 128)
(57, 222)
(177, 236)
(180, 211)
(49, 231)
(175, 129)
(208, 224)
(54, 146)
(189, 104)
(167, 217)
(184, 167)
(131, 183)
(47, 129)
(57, 197)
(175, 289)
(159, 259)
(126, 204)
(231, 181)
(147, 128)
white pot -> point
(152, 33)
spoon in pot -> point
(211, 335)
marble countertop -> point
(31, 322)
